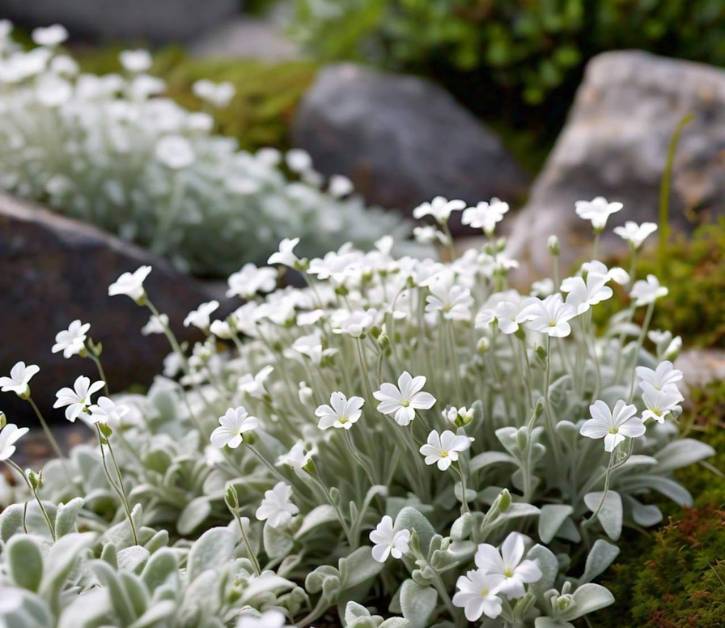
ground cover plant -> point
(403, 442)
(113, 150)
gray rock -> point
(401, 140)
(615, 145)
(247, 38)
(56, 270)
(158, 21)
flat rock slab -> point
(157, 21)
(56, 270)
(247, 38)
(401, 140)
(615, 145)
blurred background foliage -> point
(510, 58)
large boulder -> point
(615, 145)
(158, 21)
(401, 140)
(56, 270)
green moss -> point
(676, 576)
(695, 277)
(267, 93)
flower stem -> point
(14, 466)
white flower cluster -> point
(410, 422)
(114, 151)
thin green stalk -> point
(664, 201)
(247, 544)
(118, 488)
(14, 466)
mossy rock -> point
(675, 577)
(267, 93)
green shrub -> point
(675, 577)
(695, 277)
(501, 54)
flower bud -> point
(483, 345)
(230, 497)
(3, 420)
(553, 245)
(35, 480)
(105, 430)
(504, 500)
(309, 466)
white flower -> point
(476, 595)
(245, 283)
(597, 211)
(20, 376)
(9, 435)
(108, 411)
(505, 313)
(543, 287)
(216, 94)
(583, 294)
(664, 377)
(387, 541)
(485, 215)
(451, 299)
(612, 425)
(297, 457)
(52, 90)
(660, 402)
(77, 400)
(635, 234)
(130, 284)
(354, 323)
(232, 426)
(298, 160)
(310, 346)
(427, 234)
(508, 565)
(341, 413)
(71, 341)
(175, 152)
(457, 415)
(269, 619)
(200, 316)
(340, 186)
(50, 36)
(440, 208)
(404, 399)
(276, 507)
(135, 60)
(254, 385)
(285, 254)
(304, 393)
(443, 449)
(155, 325)
(646, 292)
(615, 273)
(549, 316)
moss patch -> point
(675, 577)
(695, 276)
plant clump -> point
(402, 443)
(112, 150)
